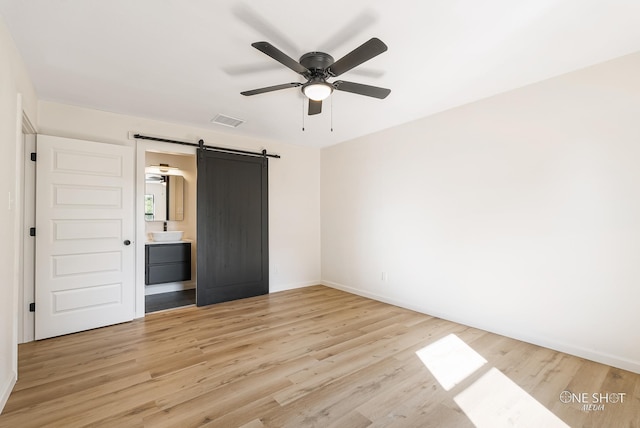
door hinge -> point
(32, 307)
(32, 231)
(34, 156)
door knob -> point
(127, 242)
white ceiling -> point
(186, 61)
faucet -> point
(165, 226)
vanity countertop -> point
(183, 241)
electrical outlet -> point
(383, 276)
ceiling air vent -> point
(231, 122)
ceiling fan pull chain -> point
(302, 114)
(331, 114)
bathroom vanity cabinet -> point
(167, 262)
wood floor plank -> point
(245, 415)
(338, 397)
(307, 357)
(74, 384)
(217, 402)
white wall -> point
(294, 182)
(16, 95)
(518, 214)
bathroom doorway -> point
(170, 231)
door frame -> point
(25, 212)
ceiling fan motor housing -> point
(317, 63)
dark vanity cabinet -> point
(167, 263)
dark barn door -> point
(233, 235)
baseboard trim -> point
(283, 287)
(6, 389)
(589, 354)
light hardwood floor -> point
(308, 357)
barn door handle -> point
(127, 242)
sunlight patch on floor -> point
(495, 401)
(450, 360)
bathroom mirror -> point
(164, 197)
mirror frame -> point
(174, 199)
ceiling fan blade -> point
(271, 88)
(350, 30)
(362, 53)
(315, 107)
(258, 22)
(360, 89)
(284, 59)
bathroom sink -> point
(171, 235)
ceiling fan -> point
(317, 67)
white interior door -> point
(84, 235)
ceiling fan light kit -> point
(317, 67)
(318, 90)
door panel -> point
(233, 235)
(84, 214)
